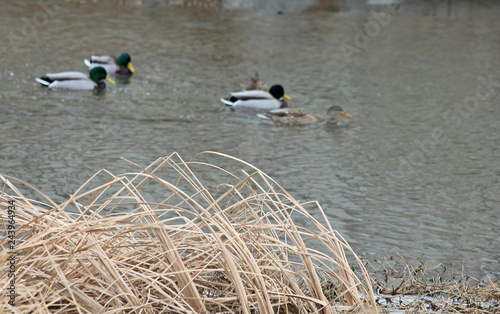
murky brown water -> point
(415, 171)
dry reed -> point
(164, 240)
(425, 287)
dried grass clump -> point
(420, 288)
(165, 240)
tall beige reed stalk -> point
(179, 237)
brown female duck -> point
(298, 116)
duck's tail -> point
(87, 62)
(229, 101)
(45, 81)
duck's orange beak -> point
(346, 114)
(287, 97)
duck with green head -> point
(259, 99)
(121, 65)
(77, 80)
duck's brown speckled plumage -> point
(255, 83)
(299, 116)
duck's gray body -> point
(68, 80)
(76, 80)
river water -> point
(415, 171)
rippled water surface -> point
(416, 170)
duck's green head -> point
(124, 60)
(278, 91)
(98, 74)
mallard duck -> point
(120, 65)
(76, 80)
(255, 83)
(298, 116)
(259, 99)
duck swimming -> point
(298, 116)
(259, 99)
(120, 65)
(76, 80)
(255, 83)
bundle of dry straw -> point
(160, 240)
